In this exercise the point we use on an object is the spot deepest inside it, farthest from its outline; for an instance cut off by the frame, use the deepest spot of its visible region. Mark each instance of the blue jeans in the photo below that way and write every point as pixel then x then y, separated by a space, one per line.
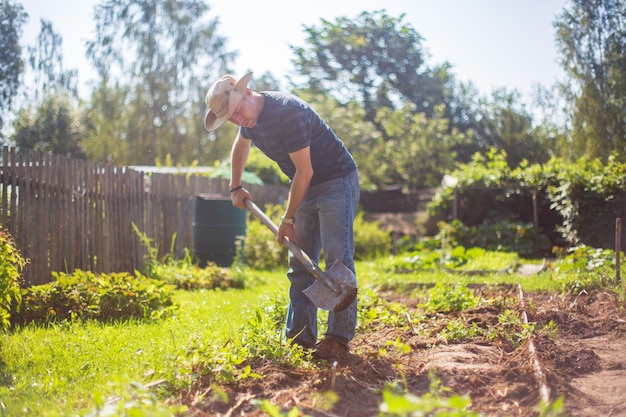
pixel 324 221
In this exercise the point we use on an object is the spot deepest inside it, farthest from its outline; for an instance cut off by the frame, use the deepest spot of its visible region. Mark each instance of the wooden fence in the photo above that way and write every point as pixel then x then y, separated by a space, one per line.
pixel 66 214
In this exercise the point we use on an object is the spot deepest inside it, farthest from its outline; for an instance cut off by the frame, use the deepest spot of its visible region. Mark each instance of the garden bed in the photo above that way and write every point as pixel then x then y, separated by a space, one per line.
pixel 583 361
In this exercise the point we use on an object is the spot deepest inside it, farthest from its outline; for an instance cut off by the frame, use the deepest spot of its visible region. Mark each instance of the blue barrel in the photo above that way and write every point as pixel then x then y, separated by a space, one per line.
pixel 216 228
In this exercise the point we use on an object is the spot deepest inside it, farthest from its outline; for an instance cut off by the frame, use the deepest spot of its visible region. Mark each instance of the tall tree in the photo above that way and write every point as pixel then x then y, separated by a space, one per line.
pixel 12 17
pixel 45 59
pixel 374 59
pixel 166 51
pixel 53 127
pixel 591 35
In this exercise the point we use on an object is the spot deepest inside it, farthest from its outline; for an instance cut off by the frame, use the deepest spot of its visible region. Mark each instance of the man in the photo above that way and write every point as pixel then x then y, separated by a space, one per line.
pixel 323 195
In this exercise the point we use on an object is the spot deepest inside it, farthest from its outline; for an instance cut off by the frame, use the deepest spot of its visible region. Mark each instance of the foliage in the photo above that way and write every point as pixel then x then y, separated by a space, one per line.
pixel 370 241
pixel 266 169
pixel 446 255
pixel 416 151
pixel 576 202
pixel 503 236
pixel 84 295
pixel 11 265
pixel 586 268
pixel 260 338
pixel 186 275
pixel 591 39
pixel 374 59
pixel 155 57
pixel 52 127
pixel 260 249
pixel 45 60
pixel 399 403
pixel 12 16
pixel 445 298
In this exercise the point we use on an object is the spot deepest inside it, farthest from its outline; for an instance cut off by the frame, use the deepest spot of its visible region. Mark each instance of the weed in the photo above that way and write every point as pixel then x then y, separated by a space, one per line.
pixel 446 298
pixel 396 402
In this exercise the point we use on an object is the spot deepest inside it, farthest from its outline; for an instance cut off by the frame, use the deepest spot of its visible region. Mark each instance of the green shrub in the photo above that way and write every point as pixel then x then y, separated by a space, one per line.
pixel 186 275
pixel 11 264
pixel 85 295
pixel 497 235
pixel 370 241
pixel 260 249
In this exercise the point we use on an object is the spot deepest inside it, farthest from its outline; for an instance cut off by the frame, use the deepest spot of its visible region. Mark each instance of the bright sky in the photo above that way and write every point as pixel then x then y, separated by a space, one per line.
pixel 492 43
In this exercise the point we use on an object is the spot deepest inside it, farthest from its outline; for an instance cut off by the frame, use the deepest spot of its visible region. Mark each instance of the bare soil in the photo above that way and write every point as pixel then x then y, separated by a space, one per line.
pixel 584 362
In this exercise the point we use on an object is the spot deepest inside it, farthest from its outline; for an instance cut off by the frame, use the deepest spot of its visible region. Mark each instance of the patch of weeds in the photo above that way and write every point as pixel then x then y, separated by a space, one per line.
pixel 513 331
pixel 261 338
pixel 445 298
pixel 397 402
pixel 374 312
pixel 457 331
pixel 587 269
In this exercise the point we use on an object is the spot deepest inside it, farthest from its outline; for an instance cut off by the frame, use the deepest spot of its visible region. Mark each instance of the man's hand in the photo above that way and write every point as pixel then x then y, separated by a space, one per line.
pixel 288 231
pixel 238 197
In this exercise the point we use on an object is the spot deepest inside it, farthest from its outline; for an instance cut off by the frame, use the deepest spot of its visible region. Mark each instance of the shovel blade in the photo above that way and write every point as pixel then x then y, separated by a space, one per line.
pixel 335 290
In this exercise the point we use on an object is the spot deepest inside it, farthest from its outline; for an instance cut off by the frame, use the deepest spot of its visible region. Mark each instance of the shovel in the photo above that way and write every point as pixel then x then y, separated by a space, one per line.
pixel 333 290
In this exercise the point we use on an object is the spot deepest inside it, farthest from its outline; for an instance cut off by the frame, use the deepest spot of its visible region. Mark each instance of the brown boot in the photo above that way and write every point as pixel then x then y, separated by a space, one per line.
pixel 329 348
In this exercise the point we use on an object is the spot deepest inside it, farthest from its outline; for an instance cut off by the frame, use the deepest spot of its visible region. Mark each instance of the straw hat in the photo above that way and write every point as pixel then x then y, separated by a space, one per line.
pixel 222 99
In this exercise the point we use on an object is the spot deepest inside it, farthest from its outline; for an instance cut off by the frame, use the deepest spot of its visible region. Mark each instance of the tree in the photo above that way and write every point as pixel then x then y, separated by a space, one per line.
pixel 165 52
pixel 12 17
pixel 591 35
pixel 46 62
pixel 54 127
pixel 503 123
pixel 375 60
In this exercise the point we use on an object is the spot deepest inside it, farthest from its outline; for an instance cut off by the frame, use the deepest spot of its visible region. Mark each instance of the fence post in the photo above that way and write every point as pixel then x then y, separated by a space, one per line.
pixel 618 244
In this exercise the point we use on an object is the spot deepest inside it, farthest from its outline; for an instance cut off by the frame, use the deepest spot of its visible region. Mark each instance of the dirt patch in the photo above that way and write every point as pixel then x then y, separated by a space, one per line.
pixel 584 362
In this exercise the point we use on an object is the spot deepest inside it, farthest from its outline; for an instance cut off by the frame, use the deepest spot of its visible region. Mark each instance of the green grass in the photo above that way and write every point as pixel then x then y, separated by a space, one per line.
pixel 377 273
pixel 55 371
pixel 64 369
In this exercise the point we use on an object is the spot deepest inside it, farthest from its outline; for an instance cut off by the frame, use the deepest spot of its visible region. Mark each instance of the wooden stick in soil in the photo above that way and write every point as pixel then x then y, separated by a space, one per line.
pixel 618 244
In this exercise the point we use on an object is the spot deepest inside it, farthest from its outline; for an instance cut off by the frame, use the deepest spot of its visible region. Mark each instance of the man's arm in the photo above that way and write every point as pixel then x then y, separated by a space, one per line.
pixel 299 187
pixel 238 157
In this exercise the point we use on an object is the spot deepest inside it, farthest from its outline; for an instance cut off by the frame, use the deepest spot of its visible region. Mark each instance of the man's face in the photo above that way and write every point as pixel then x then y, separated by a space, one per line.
pixel 245 114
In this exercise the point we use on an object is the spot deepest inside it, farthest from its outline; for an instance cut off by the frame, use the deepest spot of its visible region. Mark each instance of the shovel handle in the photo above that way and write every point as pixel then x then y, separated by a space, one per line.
pixel 298 253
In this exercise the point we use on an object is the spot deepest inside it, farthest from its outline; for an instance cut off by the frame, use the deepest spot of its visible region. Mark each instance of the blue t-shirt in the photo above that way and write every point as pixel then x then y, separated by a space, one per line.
pixel 288 124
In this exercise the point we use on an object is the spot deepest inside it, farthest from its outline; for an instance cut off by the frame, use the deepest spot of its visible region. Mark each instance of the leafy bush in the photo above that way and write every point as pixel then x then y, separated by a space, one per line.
pixel 186 275
pixel 445 298
pixel 577 203
pixel 11 264
pixel 586 269
pixel 85 295
pixel 498 235
pixel 260 249
pixel 370 241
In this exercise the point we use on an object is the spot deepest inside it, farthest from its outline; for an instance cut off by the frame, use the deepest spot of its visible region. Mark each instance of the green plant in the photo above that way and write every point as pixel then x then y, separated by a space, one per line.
pixel 370 241
pixel 396 402
pixel 457 331
pixel 185 274
pixel 586 269
pixel 260 249
pixel 84 295
pixel 11 264
pixel 445 298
